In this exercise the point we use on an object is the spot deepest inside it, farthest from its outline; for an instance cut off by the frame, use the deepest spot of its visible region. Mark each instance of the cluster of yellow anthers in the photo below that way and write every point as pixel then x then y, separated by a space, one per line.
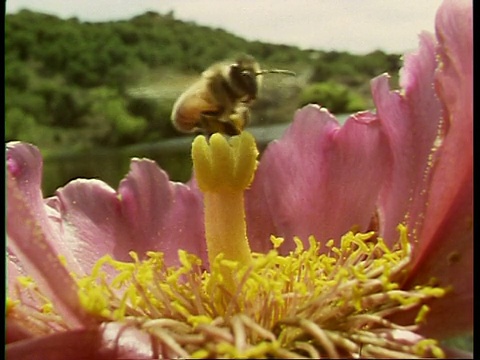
pixel 334 303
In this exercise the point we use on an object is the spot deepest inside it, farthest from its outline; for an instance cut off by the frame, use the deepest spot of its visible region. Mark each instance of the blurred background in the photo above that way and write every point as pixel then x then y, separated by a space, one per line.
pixel 92 82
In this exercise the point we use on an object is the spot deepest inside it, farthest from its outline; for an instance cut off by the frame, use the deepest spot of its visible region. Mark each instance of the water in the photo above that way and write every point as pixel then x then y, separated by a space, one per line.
pixel 112 165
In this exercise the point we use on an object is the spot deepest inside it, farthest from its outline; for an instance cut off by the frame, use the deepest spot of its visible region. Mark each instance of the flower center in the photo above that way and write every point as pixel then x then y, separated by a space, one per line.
pixel 334 303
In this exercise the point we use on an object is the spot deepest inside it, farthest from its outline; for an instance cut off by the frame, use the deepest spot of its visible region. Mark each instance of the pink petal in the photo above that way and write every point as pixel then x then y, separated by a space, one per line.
pixel 91 221
pixel 109 341
pixel 24 163
pixel 165 216
pixel 411 121
pixel 74 345
pixel 448 257
pixel 149 213
pixel 15 331
pixel 320 179
pixel 454 170
pixel 37 256
pixel 15 269
pixel 446 250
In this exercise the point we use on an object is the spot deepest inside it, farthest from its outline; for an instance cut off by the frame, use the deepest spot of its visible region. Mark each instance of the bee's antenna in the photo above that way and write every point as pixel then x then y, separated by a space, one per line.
pixel 275 71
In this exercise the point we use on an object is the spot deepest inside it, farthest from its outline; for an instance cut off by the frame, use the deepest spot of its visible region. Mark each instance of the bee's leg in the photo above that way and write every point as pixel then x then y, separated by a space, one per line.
pixel 209 122
pixel 240 118
pixel 230 129
pixel 212 124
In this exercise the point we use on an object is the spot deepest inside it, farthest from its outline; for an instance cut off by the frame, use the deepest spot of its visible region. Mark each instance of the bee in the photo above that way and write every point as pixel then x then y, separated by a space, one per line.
pixel 220 100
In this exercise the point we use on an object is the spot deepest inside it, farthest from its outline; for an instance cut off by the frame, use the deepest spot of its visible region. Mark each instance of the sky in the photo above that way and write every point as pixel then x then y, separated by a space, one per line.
pixel 356 26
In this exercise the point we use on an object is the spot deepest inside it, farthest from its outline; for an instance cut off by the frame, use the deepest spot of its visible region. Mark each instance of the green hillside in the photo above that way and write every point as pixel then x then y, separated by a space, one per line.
pixel 82 85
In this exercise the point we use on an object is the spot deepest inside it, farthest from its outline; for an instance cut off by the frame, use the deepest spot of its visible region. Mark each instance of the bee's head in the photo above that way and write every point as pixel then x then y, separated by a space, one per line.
pixel 244 76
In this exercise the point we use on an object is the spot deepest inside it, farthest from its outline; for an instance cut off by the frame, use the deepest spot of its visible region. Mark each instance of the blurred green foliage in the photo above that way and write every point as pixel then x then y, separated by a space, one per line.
pixel 334 96
pixel 82 85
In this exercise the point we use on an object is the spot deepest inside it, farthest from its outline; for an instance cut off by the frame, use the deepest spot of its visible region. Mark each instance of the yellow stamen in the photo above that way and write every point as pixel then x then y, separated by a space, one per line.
pixel 284 305
pixel 223 171
pixel 307 303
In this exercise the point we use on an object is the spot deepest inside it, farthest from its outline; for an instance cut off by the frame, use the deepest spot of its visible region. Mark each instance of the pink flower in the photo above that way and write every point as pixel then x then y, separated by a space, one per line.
pixel 410 162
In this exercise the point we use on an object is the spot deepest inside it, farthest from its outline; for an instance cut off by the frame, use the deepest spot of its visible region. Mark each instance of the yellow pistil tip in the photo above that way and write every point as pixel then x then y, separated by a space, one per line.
pixel 220 164
pixel 224 169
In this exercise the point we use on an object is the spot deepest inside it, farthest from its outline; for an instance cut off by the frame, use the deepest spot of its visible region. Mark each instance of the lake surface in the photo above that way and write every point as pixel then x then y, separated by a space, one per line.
pixel 112 165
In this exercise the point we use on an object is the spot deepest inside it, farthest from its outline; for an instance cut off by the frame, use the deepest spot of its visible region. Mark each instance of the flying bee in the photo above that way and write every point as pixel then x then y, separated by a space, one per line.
pixel 220 100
